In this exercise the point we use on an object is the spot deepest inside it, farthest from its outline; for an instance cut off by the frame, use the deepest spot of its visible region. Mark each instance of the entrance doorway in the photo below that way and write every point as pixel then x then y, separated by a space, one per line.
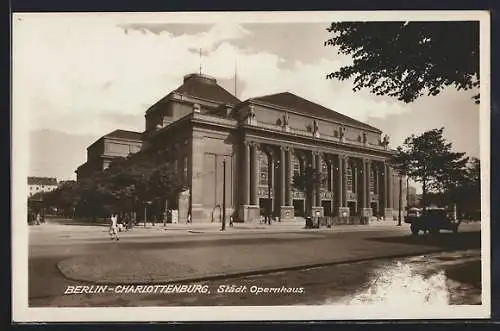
pixel 374 207
pixel 298 207
pixel 264 204
pixel 352 208
pixel 327 207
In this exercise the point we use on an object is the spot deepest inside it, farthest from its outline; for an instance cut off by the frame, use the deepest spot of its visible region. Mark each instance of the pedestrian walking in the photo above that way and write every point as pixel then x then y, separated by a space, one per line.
pixel 188 220
pixel 113 231
pixel 38 217
pixel 231 219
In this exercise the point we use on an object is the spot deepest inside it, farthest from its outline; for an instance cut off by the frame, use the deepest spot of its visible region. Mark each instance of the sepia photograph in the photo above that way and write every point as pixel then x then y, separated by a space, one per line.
pixel 250 166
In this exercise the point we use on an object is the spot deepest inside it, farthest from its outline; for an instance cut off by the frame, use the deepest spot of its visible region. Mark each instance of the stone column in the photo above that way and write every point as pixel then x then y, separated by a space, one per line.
pixel 355 187
pixel 332 183
pixel 282 176
pixel 367 211
pixel 340 177
pixel 318 188
pixel 364 186
pixel 317 209
pixel 388 193
pixel 376 186
pixel 344 181
pixel 271 182
pixel 247 164
pixel 288 187
pixel 286 207
pixel 313 165
pixel 342 186
pixel 254 174
pixel 243 211
pixel 389 187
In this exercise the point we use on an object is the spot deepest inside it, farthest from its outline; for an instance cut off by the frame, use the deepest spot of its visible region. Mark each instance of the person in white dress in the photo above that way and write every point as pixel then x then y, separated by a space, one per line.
pixel 113 231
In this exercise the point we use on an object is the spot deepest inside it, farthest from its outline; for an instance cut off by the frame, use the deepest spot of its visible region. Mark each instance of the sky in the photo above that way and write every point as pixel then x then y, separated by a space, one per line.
pixel 83 76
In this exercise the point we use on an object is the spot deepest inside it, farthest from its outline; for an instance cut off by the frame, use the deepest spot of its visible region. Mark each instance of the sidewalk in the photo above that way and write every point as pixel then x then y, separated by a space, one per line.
pixel 94 231
pixel 195 263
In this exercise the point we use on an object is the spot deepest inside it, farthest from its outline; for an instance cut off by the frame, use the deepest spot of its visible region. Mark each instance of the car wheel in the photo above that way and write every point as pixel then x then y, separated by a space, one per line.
pixel 434 231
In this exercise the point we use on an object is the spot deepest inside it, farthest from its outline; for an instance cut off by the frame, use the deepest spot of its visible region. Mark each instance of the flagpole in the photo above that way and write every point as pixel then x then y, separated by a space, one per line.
pixel 200 61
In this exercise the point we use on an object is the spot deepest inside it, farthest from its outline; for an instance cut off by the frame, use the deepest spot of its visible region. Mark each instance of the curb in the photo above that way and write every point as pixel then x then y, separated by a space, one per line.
pixel 259 272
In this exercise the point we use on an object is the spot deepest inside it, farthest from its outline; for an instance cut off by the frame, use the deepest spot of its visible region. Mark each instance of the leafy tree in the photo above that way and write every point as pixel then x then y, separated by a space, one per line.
pixel 408 59
pixel 467 191
pixel 65 198
pixel 165 182
pixel 307 181
pixel 432 163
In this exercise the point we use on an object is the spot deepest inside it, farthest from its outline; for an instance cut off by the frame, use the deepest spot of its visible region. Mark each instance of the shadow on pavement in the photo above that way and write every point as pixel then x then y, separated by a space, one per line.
pixel 460 240
pixel 468 273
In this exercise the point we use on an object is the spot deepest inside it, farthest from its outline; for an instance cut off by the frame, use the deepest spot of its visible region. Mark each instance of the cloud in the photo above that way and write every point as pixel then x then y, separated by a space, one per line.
pixel 86 70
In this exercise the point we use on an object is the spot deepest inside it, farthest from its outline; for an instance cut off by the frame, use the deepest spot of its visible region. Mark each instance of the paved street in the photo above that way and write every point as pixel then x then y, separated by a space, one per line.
pixel 322 262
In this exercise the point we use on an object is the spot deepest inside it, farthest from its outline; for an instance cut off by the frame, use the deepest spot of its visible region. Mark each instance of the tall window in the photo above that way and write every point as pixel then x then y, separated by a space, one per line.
pixel 373 189
pixel 296 165
pixel 325 175
pixel 263 168
pixel 349 176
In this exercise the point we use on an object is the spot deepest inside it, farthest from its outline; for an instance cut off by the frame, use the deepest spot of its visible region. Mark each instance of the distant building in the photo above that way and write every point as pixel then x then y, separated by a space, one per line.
pixel 41 184
pixel 119 143
pixel 412 196
pixel 64 182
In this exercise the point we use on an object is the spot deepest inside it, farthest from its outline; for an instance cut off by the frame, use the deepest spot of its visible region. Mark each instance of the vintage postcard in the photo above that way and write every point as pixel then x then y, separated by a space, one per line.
pixel 250 166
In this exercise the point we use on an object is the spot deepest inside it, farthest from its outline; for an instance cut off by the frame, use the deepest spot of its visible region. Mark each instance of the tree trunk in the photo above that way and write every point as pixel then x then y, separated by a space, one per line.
pixel 407 192
pixel 400 199
pixel 424 194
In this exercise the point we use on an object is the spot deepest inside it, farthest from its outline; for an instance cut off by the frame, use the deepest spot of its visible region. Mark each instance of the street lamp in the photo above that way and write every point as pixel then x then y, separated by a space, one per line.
pixel 146 211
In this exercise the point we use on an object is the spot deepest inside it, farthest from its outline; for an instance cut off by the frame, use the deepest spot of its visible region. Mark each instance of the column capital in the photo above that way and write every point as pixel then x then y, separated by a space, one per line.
pixel 315 152
pixel 285 148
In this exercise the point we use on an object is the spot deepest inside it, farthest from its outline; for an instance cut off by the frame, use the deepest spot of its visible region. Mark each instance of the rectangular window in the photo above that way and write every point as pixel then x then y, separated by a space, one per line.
pixel 324 175
pixel 264 173
pixel 330 188
pixel 349 179
pixel 296 167
pixel 372 182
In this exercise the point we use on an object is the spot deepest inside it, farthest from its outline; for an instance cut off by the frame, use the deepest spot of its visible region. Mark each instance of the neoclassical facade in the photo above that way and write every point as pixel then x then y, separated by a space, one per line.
pixel 263 142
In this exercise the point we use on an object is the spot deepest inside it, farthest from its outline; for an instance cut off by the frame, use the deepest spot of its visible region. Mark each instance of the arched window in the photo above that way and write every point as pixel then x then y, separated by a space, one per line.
pixel 263 168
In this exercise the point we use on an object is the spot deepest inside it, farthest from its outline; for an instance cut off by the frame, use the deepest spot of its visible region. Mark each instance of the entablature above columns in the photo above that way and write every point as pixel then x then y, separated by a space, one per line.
pixel 303 148
pixel 316 144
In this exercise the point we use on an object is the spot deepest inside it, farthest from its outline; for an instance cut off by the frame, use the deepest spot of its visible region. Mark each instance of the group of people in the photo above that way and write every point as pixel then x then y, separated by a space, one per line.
pixel 120 223
pixel 35 218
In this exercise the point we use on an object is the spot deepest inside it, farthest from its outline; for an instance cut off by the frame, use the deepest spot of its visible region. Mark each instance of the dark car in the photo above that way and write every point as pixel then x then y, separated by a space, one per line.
pixel 433 221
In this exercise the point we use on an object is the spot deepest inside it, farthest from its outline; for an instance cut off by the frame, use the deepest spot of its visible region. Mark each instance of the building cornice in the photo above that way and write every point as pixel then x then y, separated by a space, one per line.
pixel 292 111
pixel 314 140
